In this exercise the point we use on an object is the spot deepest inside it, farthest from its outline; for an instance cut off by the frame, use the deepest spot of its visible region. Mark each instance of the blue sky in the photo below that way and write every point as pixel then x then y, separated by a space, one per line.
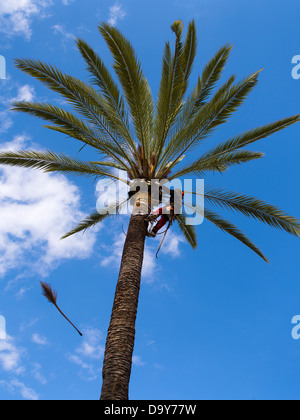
pixel 212 324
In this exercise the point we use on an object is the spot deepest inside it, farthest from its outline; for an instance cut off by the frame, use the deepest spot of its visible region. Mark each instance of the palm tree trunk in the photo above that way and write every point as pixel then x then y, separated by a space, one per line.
pixel 121 332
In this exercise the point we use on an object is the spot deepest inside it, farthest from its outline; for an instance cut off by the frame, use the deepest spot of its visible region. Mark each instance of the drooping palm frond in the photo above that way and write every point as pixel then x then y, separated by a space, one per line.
pixel 87 223
pixel 53 162
pixel 134 84
pixel 95 218
pixel 254 208
pixel 228 227
pixel 188 231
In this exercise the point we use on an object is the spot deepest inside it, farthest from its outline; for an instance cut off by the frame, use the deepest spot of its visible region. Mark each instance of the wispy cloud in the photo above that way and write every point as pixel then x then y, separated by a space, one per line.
pixel 10 356
pixel 137 361
pixel 13 93
pixel 36 373
pixel 25 93
pixel 60 29
pixel 17 386
pixel 40 340
pixel 171 248
pixel 116 13
pixel 88 355
pixel 16 16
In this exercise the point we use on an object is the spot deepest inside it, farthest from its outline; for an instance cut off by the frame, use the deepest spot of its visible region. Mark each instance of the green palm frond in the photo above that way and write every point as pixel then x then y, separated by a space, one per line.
pixel 110 90
pixel 96 218
pixel 53 162
pixel 135 86
pixel 206 83
pixel 254 208
pixel 228 227
pixel 188 231
pixel 218 164
pixel 216 112
pixel 189 51
pixel 74 127
pixel 226 100
pixel 87 223
pixel 250 137
pixel 210 76
pixel 83 97
pixel 172 88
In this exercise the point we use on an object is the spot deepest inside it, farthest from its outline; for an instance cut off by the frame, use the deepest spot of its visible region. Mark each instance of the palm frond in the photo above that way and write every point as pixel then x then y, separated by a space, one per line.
pixel 172 88
pixel 189 125
pixel 53 162
pixel 110 90
pixel 206 83
pixel 87 223
pixel 74 127
pixel 49 293
pixel 211 75
pixel 232 230
pixel 188 231
pixel 218 164
pixel 189 51
pixel 133 82
pixel 83 97
pixel 254 208
pixel 216 112
pixel 250 137
pixel 95 218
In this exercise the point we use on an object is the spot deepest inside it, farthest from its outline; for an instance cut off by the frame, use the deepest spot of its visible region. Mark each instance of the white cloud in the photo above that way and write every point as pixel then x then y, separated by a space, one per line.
pixel 38 339
pixel 59 29
pixel 10 356
pixel 88 355
pixel 116 13
pixel 16 386
pixel 16 15
pixel 36 210
pixel 25 93
pixel 36 373
pixel 137 361
pixel 170 247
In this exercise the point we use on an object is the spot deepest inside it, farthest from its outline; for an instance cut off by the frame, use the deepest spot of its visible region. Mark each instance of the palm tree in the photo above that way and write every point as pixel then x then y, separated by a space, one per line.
pixel 148 142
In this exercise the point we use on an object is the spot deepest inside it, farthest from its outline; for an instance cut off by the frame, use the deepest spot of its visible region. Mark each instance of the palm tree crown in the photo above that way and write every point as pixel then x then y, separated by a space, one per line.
pixel 146 140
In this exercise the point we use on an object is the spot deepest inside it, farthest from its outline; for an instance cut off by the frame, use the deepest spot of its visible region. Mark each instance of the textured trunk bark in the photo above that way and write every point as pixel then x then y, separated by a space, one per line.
pixel 121 332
